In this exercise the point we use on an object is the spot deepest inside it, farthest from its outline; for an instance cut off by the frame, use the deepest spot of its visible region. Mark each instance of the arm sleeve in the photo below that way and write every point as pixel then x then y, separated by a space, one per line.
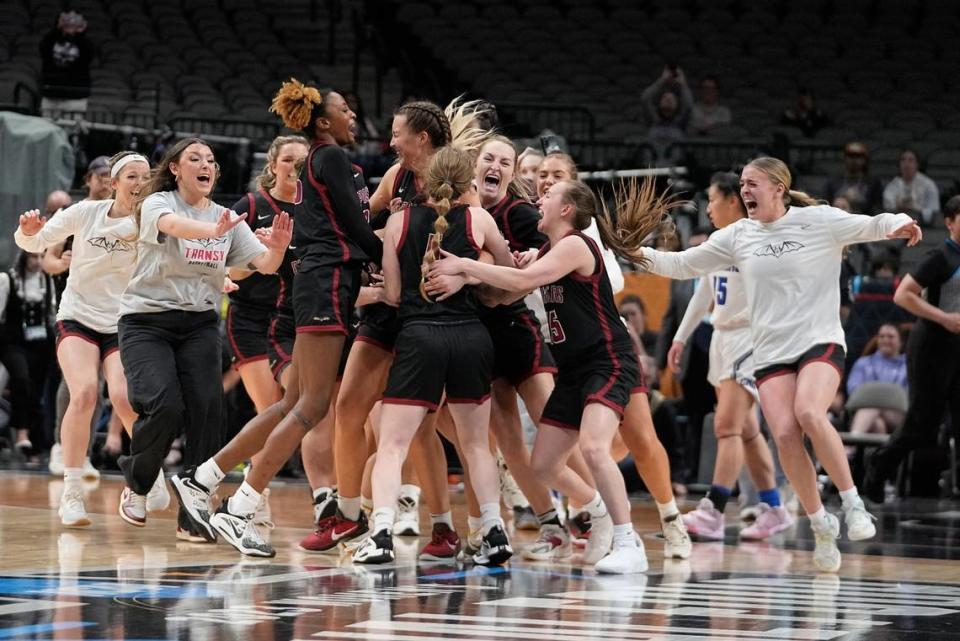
pixel 847 229
pixel 696 310
pixel 712 255
pixel 151 211
pixel 337 175
pixel 244 246
pixel 56 230
pixel 931 271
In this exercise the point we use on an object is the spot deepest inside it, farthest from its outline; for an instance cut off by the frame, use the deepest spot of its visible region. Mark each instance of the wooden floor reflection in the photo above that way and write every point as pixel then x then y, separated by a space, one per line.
pixel 113 581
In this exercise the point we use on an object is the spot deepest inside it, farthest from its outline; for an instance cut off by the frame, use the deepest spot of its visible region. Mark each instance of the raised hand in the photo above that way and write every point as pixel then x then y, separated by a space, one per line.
pixel 281 232
pixel 31 222
pixel 911 231
pixel 227 221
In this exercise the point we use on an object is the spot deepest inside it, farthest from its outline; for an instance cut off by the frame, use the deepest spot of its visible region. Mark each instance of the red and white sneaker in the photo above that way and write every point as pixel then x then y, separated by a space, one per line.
pixel 553 543
pixel 443 546
pixel 770 521
pixel 705 522
pixel 333 531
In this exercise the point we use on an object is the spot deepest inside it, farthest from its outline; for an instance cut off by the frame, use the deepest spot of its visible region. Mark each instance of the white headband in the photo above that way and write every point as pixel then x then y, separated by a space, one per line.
pixel 126 160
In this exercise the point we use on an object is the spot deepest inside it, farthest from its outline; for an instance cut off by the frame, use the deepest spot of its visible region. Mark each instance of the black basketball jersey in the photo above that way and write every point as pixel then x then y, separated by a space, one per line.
pixel 260 290
pixel 417 231
pixel 517 220
pixel 333 224
pixel 582 315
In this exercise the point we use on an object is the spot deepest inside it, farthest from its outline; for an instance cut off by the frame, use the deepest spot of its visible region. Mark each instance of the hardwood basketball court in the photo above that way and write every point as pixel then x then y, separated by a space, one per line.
pixel 114 581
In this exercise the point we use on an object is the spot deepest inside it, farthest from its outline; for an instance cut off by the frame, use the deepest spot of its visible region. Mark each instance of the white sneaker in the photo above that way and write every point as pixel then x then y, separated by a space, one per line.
pixel 158 498
pixel 195 499
pixel 601 538
pixel 240 532
pixel 553 543
pixel 263 516
pixel 133 508
pixel 407 521
pixel 859 522
pixel 625 558
pixel 56 460
pixel 826 555
pixel 72 511
pixel 677 544
pixel 90 473
pixel 510 492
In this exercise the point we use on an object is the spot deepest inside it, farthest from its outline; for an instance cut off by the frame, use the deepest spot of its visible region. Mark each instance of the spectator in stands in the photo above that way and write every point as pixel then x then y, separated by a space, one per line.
pixel 912 191
pixel 635 313
pixel 65 55
pixel 529 162
pixel 863 192
pixel 668 103
pixel 26 346
pixel 933 364
pixel 708 112
pixel 883 362
pixel 805 114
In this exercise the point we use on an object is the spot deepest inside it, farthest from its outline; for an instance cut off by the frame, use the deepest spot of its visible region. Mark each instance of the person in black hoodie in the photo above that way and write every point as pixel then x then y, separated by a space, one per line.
pixel 66 54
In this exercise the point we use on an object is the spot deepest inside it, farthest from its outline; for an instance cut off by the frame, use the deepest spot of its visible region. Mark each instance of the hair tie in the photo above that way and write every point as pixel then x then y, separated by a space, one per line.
pixel 126 160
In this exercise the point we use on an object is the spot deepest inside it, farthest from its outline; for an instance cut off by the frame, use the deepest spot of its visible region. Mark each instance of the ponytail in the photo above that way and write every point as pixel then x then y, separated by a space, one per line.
pixel 640 211
pixel 449 177
pixel 299 105
pixel 800 199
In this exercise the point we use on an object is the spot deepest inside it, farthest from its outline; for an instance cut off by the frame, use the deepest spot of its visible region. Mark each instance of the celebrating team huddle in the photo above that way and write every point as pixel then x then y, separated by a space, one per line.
pixel 365 326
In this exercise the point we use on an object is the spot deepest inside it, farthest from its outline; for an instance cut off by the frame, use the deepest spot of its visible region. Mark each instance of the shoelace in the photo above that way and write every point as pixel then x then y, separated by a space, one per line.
pixel 74 499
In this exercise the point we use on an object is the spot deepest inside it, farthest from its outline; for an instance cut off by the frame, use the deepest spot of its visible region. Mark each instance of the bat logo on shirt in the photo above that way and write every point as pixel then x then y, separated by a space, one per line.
pixel 111 245
pixel 778 249
pixel 209 242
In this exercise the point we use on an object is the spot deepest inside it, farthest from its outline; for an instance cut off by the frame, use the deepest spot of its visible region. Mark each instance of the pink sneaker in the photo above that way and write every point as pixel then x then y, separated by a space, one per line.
pixel 705 522
pixel 770 521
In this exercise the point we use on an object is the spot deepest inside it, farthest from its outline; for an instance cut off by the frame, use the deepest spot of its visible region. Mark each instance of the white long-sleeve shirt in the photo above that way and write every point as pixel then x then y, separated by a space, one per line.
pixel 104 254
pixel 790 269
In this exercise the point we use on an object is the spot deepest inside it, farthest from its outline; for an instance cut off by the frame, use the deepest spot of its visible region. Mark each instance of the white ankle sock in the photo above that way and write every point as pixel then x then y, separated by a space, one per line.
pixel 383 518
pixel 850 498
pixel 596 507
pixel 411 491
pixel 446 518
pixel 623 533
pixel 244 501
pixel 819 519
pixel 349 507
pixel 474 523
pixel 73 475
pixel 209 474
pixel 667 509
pixel 326 491
pixel 489 516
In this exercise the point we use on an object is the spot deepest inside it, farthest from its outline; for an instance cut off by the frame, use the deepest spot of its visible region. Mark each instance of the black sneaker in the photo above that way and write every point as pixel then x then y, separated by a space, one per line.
pixel 494 549
pixel 375 549
pixel 240 532
pixel 195 499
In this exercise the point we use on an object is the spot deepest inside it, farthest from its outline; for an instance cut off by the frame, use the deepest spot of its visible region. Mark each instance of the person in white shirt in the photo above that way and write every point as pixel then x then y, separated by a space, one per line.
pixel 788 252
pixel 731 373
pixel 104 252
pixel 169 320
pixel 912 191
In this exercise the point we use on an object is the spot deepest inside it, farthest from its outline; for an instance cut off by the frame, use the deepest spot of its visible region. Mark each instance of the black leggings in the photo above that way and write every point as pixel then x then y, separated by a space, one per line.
pixel 28 364
pixel 172 364
pixel 933 370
